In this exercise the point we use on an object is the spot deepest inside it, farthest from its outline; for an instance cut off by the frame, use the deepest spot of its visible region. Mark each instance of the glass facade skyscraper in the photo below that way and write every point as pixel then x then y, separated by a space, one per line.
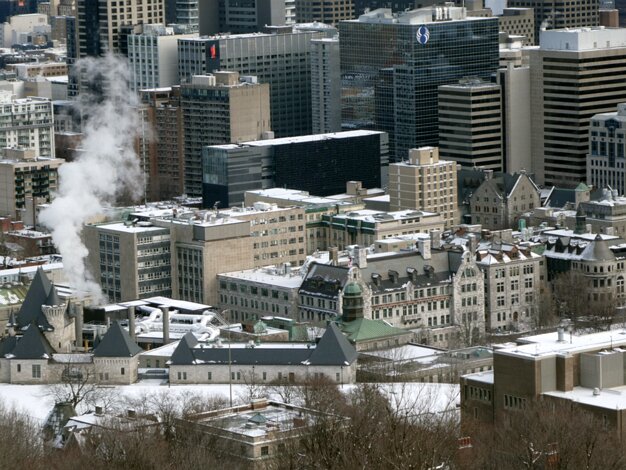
pixel 391 66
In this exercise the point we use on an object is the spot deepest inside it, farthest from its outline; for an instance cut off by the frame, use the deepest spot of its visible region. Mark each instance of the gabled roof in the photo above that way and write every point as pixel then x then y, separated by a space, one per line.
pixel 116 343
pixel 333 348
pixel 32 345
pixel 36 296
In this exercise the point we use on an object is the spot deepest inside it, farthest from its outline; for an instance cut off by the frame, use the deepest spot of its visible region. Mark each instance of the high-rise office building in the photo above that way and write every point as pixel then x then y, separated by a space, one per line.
pixel 519 22
pixel 575 74
pixel 391 66
pixel 219 109
pixel 281 60
pixel 514 84
pixel 103 25
pixel 564 14
pixel 425 183
pixel 241 17
pixel 470 124
pixel 325 85
pixel 329 12
pixel 320 164
pixel 153 57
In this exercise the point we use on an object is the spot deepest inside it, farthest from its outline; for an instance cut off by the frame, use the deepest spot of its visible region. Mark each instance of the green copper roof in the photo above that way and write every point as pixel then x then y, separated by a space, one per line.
pixel 364 329
pixel 353 289
pixel 582 187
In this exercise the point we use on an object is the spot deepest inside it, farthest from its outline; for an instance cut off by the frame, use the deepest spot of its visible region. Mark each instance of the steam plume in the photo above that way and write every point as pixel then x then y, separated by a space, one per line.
pixel 106 166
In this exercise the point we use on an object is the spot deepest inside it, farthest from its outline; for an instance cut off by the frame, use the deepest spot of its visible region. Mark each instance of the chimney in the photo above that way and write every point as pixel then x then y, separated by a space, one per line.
pixel 360 257
pixel 166 324
pixel 334 255
pixel 79 319
pixel 435 239
pixel 488 174
pixel 561 334
pixel 423 245
pixel 473 243
pixel 131 322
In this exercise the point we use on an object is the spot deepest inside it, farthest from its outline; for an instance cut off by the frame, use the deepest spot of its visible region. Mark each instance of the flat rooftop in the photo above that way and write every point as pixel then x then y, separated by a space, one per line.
pixel 299 139
pixel 548 344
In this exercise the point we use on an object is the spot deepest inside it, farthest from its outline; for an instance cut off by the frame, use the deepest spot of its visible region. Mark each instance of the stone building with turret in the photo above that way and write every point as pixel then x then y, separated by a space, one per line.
pixel 40 345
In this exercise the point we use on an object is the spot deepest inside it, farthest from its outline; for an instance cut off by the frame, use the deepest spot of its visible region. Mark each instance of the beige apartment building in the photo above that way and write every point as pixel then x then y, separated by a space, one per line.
pixel 115 15
pixel 426 183
pixel 25 178
pixel 189 249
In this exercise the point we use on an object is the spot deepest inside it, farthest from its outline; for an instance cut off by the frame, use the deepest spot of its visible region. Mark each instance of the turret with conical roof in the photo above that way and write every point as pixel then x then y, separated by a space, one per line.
pixel 54 311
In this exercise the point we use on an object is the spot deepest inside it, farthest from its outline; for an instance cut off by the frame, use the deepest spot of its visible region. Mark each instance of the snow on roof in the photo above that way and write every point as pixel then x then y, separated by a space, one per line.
pixel 547 344
pixel 406 352
pixel 122 227
pixel 584 236
pixel 177 304
pixel 609 398
pixel 268 275
pixel 299 139
pixel 484 377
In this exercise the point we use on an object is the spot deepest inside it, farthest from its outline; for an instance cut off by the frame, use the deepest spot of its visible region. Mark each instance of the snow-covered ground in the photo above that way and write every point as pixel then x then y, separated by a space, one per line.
pixel 414 398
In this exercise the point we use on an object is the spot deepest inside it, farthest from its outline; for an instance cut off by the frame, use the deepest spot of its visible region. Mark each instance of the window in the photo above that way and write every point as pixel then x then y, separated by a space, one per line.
pixel 19 367
pixel 209 376
pixel 122 371
pixel 265 450
pixel 36 371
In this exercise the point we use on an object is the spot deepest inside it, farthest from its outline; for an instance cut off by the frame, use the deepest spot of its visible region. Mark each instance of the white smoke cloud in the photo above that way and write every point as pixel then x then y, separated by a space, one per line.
pixel 106 166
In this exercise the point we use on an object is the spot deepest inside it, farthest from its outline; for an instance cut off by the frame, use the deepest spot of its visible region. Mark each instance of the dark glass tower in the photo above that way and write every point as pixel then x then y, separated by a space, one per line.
pixel 392 65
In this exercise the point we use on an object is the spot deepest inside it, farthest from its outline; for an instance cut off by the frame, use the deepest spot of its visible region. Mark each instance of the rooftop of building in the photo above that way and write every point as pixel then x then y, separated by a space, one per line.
pixel 470 84
pixel 416 17
pixel 298 196
pixel 583 39
pixel 279 276
pixel 299 139
pixel 259 419
pixel 609 398
pixel 129 227
pixel 368 215
pixel 548 344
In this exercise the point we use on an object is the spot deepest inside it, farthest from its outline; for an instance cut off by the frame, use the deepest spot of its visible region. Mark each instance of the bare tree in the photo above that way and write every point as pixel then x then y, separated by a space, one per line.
pixel 76 384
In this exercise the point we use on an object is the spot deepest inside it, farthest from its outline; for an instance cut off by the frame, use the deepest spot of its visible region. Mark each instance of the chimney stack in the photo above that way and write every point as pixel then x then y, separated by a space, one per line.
pixel 79 319
pixel 435 239
pixel 423 245
pixel 131 322
pixel 166 324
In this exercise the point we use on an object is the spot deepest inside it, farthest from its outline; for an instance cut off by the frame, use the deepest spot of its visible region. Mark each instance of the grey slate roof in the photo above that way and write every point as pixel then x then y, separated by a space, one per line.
pixel 332 349
pixel 324 280
pixel 598 250
pixel 7 344
pixel 116 343
pixel 36 296
pixel 32 345
pixel 53 298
